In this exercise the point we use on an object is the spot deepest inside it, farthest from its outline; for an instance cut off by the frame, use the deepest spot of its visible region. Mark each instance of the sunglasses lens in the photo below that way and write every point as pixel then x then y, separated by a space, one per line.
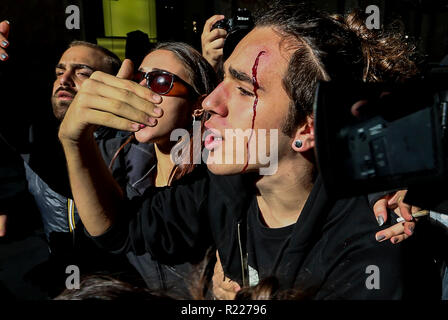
pixel 160 83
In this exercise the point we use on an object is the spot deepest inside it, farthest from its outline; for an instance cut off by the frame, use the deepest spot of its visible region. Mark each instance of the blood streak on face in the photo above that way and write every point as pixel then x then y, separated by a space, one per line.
pixel 254 107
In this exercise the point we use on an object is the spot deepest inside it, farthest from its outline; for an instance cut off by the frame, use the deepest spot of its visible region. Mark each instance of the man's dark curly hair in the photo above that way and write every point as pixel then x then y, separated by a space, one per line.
pixel 332 47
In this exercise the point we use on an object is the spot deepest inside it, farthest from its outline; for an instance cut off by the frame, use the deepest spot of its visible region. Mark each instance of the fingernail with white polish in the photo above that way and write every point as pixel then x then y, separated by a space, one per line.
pixel 152 121
pixel 158 111
pixel 380 220
pixel 156 97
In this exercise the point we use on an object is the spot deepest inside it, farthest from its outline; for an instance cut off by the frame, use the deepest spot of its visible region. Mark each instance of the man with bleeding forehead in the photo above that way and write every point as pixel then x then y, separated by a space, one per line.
pixel 280 225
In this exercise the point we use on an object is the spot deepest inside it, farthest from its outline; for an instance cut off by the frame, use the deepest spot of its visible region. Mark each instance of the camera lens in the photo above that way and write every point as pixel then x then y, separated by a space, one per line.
pixel 221 24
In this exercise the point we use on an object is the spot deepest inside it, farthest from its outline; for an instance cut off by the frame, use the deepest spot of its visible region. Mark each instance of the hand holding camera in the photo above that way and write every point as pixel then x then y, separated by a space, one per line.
pixel 212 40
pixel 220 36
pixel 237 28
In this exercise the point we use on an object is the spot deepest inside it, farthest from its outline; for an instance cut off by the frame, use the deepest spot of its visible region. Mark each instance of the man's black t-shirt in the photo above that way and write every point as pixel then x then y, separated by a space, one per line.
pixel 265 251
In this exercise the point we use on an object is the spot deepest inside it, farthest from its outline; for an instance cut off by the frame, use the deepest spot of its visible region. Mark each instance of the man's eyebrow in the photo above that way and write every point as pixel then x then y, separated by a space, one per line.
pixel 75 66
pixel 153 69
pixel 82 66
pixel 241 76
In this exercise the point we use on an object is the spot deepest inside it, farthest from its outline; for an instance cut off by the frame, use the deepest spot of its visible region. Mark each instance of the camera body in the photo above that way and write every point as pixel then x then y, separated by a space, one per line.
pixel 399 140
pixel 237 27
pixel 243 19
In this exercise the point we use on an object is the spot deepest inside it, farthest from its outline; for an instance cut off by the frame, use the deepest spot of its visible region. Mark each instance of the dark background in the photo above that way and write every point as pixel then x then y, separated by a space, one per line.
pixel 39 36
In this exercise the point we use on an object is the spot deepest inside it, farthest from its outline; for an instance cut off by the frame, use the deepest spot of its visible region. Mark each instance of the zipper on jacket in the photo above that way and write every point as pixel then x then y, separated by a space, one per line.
pixel 244 260
pixel 71 219
pixel 162 277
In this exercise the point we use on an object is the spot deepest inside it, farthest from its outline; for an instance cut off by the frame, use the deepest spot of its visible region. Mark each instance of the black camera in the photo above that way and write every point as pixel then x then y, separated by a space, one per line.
pixel 377 137
pixel 236 27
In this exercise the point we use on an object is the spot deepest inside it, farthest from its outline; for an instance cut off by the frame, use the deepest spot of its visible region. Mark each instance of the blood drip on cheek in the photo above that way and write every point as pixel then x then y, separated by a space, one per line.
pixel 254 107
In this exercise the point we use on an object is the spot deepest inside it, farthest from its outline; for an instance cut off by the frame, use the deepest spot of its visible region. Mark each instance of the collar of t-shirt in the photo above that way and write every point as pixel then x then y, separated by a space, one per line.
pixel 264 245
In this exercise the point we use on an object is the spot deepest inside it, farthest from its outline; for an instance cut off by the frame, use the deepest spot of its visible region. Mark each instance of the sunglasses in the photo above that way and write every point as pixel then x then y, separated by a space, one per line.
pixel 165 83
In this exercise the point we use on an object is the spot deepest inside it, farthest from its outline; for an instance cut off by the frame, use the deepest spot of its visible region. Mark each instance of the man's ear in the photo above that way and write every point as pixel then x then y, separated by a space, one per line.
pixel 305 133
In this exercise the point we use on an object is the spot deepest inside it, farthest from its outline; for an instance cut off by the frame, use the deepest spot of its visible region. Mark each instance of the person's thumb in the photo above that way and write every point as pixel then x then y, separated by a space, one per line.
pixel 127 70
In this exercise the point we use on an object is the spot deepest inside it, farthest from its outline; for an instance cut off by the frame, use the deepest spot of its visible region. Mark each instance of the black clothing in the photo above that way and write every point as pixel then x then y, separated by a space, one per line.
pixel 265 245
pixel 12 176
pixel 328 254
pixel 15 201
pixel 68 245
pixel 134 169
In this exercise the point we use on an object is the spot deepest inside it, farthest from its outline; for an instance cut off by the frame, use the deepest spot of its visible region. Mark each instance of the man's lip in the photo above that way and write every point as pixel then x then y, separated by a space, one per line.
pixel 214 131
pixel 211 141
pixel 65 95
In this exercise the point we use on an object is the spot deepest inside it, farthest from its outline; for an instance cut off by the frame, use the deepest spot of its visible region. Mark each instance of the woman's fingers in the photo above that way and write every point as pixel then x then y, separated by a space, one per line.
pixel 121 102
pixel 105 100
pixel 396 201
pixel 4 28
pixel 405 210
pixel 409 228
pixel 87 111
pixel 401 230
pixel 113 113
pixel 4 43
pixel 398 239
pixel 132 87
pixel 380 210
pixel 107 119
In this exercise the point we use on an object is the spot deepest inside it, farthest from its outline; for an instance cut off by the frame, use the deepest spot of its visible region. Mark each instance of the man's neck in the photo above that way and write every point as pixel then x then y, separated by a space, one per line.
pixel 282 196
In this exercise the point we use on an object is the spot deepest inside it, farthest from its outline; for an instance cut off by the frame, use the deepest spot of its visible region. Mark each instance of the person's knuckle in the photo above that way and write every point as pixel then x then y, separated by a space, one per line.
pixel 81 100
pixel 394 233
pixel 125 94
pixel 96 75
pixel 116 105
pixel 88 84
pixel 379 205
pixel 129 85
pixel 109 119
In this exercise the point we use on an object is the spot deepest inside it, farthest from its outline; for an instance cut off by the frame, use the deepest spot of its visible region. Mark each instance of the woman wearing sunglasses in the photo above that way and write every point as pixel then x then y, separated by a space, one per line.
pixel 181 76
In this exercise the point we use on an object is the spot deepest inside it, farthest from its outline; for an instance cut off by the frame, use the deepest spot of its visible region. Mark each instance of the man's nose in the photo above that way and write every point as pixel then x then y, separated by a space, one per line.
pixel 216 101
pixel 66 79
